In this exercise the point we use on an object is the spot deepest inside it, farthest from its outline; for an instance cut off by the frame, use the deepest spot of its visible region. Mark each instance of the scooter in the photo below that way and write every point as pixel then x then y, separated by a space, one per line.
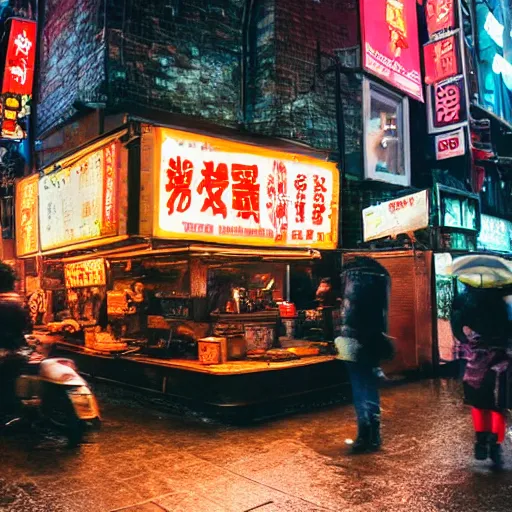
pixel 50 389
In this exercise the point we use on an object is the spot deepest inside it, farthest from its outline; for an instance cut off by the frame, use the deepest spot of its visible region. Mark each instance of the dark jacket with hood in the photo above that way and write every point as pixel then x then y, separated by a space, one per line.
pixel 365 286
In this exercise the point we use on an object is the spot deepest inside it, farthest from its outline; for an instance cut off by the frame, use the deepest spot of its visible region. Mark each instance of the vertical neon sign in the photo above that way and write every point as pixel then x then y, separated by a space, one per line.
pixel 21 51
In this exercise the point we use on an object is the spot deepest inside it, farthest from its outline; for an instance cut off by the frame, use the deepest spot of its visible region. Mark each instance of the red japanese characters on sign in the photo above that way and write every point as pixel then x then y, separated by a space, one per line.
pixel 300 198
pixel 110 188
pixel 179 178
pixel 440 15
pixel 447 103
pixel 400 204
pixel 219 191
pixel 318 200
pixel 409 213
pixel 449 145
pixel 21 50
pixel 246 191
pixel 215 182
pixel 441 59
pixel 277 208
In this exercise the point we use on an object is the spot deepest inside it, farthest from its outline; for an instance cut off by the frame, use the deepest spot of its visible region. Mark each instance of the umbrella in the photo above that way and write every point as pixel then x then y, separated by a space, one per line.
pixel 483 271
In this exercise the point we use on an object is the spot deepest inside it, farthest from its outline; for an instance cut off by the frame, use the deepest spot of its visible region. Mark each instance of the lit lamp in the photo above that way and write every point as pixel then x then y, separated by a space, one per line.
pixel 11 106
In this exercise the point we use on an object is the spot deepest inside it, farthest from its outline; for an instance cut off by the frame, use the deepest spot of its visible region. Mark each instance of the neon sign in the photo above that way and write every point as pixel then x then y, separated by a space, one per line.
pixel 441 59
pixel 110 188
pixel 79 202
pixel 392 54
pixel 222 191
pixel 21 51
pixel 440 15
pixel 447 106
pixel 85 273
pixel 27 234
pixel 449 145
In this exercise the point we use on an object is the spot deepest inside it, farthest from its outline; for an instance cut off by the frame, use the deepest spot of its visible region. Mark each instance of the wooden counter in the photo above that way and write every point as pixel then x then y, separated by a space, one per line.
pixel 229 389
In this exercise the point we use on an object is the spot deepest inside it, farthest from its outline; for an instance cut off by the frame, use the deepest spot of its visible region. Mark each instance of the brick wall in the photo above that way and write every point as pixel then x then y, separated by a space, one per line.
pixel 291 100
pixel 179 56
pixel 225 61
pixel 72 59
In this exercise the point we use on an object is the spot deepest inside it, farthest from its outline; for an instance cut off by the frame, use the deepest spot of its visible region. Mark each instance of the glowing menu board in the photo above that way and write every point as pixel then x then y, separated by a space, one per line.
pixel 27 235
pixel 78 203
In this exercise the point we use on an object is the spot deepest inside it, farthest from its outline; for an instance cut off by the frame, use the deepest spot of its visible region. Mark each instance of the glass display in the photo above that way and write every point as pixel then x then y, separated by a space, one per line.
pixel 452 212
pixel 469 217
pixel 385 157
pixel 459 212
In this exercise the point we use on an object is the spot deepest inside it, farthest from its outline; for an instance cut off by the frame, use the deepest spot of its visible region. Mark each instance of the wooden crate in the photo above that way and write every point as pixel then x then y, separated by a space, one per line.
pixel 212 350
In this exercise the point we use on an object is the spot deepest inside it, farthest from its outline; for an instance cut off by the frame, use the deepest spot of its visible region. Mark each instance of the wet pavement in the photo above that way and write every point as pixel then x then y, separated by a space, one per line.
pixel 150 459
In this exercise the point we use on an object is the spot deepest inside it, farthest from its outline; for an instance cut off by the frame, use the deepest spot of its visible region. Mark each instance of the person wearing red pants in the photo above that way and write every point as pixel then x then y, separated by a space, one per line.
pixel 480 319
pixel 490 429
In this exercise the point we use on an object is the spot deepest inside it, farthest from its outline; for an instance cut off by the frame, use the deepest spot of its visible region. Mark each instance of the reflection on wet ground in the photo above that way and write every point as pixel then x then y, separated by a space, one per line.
pixel 167 458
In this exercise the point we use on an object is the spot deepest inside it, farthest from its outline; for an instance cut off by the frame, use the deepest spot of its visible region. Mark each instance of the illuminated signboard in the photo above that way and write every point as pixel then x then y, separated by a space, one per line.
pixel 494 234
pixel 18 77
pixel 442 59
pixel 21 51
pixel 392 54
pixel 440 16
pixel 11 106
pixel 451 144
pixel 392 218
pixel 447 106
pixel 85 273
pixel 210 189
pixel 27 235
pixel 79 202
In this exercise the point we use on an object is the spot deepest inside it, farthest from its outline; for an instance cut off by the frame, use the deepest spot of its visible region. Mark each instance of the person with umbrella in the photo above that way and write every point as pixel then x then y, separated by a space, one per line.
pixel 480 318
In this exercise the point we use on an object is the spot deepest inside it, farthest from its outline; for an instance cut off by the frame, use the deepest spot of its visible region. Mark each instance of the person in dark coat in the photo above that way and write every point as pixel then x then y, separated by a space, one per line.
pixel 363 342
pixel 480 320
pixel 15 322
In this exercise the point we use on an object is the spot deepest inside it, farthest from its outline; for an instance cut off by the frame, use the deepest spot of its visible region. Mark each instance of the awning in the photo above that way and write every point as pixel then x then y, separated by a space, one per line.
pixel 206 251
pixel 90 244
pixel 106 253
pixel 71 158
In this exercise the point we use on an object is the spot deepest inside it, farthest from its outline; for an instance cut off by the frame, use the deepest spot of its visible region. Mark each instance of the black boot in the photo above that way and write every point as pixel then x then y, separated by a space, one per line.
pixel 363 442
pixel 495 451
pixel 482 445
pixel 375 438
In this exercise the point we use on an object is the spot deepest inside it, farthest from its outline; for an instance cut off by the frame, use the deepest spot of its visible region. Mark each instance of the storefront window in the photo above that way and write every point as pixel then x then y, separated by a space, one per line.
pixel 452 212
pixel 245 288
pixel 459 212
pixel 469 214
pixel 386 154
pixel 148 287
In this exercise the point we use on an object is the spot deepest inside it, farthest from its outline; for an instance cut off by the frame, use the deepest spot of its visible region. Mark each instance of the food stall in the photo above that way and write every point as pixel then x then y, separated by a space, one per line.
pixel 211 298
